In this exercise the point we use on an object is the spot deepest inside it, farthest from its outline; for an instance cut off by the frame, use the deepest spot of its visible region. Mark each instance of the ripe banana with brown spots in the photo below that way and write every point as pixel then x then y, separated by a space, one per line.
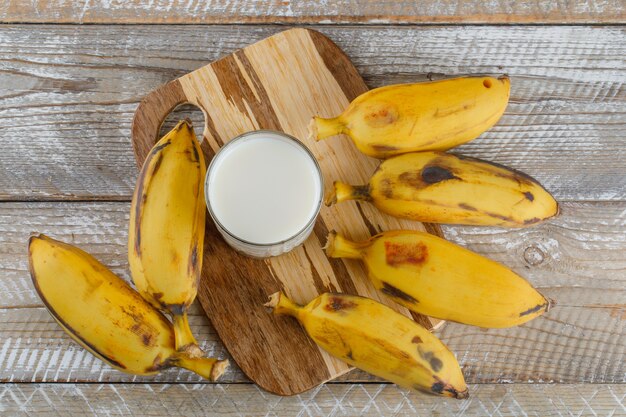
pixel 436 115
pixel 432 276
pixel 166 232
pixel 103 314
pixel 373 337
pixel 438 187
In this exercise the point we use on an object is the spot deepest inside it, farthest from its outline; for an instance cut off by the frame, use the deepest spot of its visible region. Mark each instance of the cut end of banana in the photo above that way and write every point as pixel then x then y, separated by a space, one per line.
pixel 550 304
pixel 330 243
pixel 273 301
pixel 192 350
pixel 313 132
pixel 331 197
pixel 218 369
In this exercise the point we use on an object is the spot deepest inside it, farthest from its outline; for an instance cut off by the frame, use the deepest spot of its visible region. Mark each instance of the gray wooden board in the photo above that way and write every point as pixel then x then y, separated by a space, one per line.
pixel 67 94
pixel 376 400
pixel 578 259
pixel 313 11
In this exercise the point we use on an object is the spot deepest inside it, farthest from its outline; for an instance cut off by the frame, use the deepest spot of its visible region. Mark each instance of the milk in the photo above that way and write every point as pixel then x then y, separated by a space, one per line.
pixel 264 188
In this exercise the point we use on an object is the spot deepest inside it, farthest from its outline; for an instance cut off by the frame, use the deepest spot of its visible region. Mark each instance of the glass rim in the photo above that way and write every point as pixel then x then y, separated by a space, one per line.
pixel 240 137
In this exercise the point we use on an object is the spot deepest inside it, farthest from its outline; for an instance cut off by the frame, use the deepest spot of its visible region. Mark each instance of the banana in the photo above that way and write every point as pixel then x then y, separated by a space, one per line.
pixel 166 232
pixel 425 116
pixel 437 187
pixel 432 276
pixel 105 315
pixel 371 336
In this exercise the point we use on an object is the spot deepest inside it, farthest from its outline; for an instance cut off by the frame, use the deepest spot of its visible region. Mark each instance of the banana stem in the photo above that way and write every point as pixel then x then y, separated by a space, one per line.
pixel 342 192
pixel 185 341
pixel 338 246
pixel 321 128
pixel 280 304
pixel 209 368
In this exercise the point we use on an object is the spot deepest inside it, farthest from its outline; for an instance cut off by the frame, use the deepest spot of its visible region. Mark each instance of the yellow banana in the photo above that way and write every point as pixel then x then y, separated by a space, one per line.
pixel 105 315
pixel 371 336
pixel 437 187
pixel 166 232
pixel 402 118
pixel 432 276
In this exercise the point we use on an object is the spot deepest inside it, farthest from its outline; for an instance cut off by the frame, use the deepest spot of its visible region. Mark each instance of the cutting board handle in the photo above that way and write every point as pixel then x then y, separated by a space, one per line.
pixel 150 114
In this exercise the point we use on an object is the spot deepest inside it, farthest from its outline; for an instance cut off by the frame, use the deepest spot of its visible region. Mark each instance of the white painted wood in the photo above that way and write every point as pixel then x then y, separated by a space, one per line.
pixel 578 259
pixel 311 11
pixel 68 94
pixel 377 400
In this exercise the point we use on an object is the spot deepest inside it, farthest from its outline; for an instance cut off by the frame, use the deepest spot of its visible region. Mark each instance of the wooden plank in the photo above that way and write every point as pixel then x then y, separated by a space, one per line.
pixel 378 400
pixel 66 89
pixel 578 259
pixel 311 11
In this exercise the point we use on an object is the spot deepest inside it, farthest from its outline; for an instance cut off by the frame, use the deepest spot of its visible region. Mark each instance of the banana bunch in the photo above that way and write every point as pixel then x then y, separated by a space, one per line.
pixel 438 187
pixel 415 270
pixel 402 118
pixel 411 125
pixel 371 336
pixel 166 232
pixel 105 315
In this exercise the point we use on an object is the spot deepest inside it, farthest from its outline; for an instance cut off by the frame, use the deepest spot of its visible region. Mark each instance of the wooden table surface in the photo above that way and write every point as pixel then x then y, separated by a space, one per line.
pixel 67 95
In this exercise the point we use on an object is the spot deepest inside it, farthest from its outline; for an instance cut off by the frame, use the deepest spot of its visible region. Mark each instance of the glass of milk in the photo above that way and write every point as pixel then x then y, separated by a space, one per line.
pixel 263 190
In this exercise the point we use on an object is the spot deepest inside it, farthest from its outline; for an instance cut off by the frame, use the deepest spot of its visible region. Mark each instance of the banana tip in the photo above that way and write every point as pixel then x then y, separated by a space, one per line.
pixel 330 243
pixel 218 369
pixel 331 196
pixel 462 395
pixel 273 301
pixel 313 131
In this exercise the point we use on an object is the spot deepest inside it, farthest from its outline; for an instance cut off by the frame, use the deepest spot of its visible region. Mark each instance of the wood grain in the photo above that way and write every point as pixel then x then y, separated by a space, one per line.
pixel 311 11
pixel 77 91
pixel 378 400
pixel 578 259
pixel 278 83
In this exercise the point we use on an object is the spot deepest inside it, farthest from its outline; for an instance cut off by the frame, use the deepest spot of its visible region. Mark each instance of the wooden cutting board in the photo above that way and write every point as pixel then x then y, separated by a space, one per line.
pixel 278 83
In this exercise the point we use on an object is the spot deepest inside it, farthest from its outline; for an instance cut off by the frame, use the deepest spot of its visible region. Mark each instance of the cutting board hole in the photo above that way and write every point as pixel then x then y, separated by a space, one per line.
pixel 185 111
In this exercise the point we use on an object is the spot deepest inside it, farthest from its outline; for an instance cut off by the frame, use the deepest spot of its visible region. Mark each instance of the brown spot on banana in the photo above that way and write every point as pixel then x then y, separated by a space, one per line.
pixel 413 179
pixel 529 196
pixel 435 363
pixel 147 339
pixel 532 221
pixel 193 259
pixel 545 306
pixel 386 188
pixel 440 387
pixel 384 148
pixel 394 292
pixel 338 304
pixel 416 340
pixel 196 156
pixel 398 254
pixel 158 364
pixel 501 217
pixel 445 112
pixel 382 116
pixel 467 207
pixel 433 174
